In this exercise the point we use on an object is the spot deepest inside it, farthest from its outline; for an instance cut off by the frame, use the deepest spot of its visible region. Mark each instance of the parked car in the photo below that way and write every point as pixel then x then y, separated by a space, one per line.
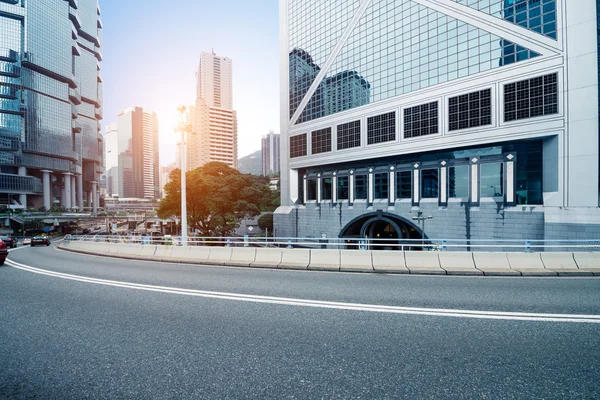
pixel 26 241
pixel 3 252
pixel 10 241
pixel 40 240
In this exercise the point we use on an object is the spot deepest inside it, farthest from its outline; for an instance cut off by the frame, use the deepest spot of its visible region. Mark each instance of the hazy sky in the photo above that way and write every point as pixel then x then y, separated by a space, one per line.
pixel 151 51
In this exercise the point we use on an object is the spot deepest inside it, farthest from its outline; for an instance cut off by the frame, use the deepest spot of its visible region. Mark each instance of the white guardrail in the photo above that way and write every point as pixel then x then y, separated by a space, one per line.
pixel 473 245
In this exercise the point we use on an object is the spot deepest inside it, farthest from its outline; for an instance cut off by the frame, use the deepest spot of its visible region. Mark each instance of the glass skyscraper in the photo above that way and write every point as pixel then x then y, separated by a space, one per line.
pixel 51 152
pixel 480 114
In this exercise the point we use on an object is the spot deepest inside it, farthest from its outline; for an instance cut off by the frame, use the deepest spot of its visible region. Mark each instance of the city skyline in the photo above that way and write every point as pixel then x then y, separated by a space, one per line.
pixel 134 73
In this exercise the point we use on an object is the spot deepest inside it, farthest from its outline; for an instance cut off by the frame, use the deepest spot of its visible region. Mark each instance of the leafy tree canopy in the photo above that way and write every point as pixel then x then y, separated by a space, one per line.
pixel 218 198
pixel 265 222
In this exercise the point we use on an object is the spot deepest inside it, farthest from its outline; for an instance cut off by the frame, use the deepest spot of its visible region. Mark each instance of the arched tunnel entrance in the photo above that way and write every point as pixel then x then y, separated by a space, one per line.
pixel 381 231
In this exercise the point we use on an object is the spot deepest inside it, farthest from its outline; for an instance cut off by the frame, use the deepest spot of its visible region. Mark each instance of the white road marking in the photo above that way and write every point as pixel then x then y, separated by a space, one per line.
pixel 438 312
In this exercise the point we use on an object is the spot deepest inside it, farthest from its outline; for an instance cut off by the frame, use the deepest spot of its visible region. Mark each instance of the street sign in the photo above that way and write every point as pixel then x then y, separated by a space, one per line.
pixel 47 229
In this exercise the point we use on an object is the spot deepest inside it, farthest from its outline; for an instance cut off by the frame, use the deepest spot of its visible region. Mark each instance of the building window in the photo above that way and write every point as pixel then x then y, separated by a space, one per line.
pixel 404 184
pixel 361 186
pixel 458 181
pixel 429 183
pixel 321 141
pixel 348 135
pixel 470 110
pixel 327 188
pixel 530 98
pixel 382 185
pixel 421 120
pixel 298 145
pixel 342 188
pixel 381 128
pixel 492 180
pixel 311 189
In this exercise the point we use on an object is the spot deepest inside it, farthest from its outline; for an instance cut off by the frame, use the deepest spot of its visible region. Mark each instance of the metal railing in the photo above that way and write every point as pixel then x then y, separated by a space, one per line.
pixel 490 245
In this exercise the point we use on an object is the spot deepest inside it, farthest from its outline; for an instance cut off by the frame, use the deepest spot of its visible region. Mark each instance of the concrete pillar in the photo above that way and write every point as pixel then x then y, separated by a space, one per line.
pixel 474 184
pixel 443 184
pixel 510 176
pixel 392 186
pixel 80 192
pixel 23 197
pixel 47 191
pixel 94 197
pixel 73 192
pixel 351 188
pixel 416 184
pixel 68 194
pixel 319 189
pixel 334 188
pixel 305 188
pixel 371 190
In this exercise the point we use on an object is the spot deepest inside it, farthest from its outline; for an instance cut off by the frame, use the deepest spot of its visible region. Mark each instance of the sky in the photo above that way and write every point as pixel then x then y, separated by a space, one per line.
pixel 151 50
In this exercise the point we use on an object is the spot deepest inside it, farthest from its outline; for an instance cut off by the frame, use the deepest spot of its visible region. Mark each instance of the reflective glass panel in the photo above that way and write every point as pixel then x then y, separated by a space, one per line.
pixel 327 189
pixel 536 15
pixel 311 189
pixel 342 188
pixel 398 47
pixel 429 183
pixel 458 181
pixel 492 180
pixel 404 184
pixel 382 185
pixel 361 187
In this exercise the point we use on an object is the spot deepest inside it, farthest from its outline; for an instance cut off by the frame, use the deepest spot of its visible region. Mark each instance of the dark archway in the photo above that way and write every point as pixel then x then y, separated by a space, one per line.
pixel 386 230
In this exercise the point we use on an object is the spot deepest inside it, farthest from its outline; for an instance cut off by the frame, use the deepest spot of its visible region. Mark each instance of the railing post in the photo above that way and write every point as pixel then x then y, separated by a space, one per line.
pixel 289 246
pixel 528 246
pixel 228 243
pixel 245 240
pixel 444 245
pixel 363 245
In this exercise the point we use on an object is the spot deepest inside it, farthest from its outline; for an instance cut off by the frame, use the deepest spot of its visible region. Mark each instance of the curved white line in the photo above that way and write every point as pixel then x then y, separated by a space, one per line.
pixel 439 312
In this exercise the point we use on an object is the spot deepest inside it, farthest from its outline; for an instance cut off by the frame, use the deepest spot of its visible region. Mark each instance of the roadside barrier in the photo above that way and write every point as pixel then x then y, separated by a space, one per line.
pixel 383 261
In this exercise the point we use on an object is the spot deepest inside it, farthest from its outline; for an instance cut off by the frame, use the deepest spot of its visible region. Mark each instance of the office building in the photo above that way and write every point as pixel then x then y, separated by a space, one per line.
pixel 213 119
pixel 165 172
pixel 480 116
pixel 132 155
pixel 51 152
pixel 270 154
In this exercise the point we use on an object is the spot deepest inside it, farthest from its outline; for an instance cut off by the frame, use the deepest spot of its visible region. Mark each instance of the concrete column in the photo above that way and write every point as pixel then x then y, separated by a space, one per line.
pixel 416 185
pixel 474 184
pixel 23 197
pixel 94 197
pixel 334 188
pixel 392 186
pixel 351 188
pixel 443 184
pixel 371 189
pixel 47 190
pixel 80 192
pixel 305 188
pixel 509 192
pixel 73 192
pixel 68 194
pixel 319 189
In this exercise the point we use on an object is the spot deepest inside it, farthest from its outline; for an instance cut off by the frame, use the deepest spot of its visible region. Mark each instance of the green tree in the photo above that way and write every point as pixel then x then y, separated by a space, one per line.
pixel 218 198
pixel 265 222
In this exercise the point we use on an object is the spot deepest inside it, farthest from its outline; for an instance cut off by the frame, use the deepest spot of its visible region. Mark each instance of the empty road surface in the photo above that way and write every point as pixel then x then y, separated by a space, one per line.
pixel 81 327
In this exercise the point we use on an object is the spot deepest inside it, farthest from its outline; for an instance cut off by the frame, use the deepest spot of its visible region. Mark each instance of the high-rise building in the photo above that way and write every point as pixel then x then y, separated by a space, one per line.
pixel 482 115
pixel 132 154
pixel 165 171
pixel 213 119
pixel 111 140
pixel 270 154
pixel 51 152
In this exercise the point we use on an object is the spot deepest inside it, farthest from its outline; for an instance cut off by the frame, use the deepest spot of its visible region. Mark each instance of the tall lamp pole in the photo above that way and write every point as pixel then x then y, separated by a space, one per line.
pixel 184 127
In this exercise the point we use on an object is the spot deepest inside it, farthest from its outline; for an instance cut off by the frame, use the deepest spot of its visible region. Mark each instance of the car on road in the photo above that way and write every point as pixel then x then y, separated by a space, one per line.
pixel 26 241
pixel 10 241
pixel 3 252
pixel 40 240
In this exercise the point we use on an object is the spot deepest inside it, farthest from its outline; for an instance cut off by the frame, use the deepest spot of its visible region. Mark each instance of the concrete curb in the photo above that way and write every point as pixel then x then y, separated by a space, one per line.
pixel 387 262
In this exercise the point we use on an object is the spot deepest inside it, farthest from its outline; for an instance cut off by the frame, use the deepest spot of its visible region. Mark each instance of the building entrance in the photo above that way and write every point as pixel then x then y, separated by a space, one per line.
pixel 380 231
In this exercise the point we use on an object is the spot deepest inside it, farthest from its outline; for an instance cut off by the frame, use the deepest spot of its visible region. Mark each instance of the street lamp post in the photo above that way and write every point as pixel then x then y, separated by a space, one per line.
pixel 184 127
pixel 420 218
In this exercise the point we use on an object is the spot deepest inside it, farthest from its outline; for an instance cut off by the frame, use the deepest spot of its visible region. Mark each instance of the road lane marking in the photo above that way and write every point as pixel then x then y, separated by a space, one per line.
pixel 438 312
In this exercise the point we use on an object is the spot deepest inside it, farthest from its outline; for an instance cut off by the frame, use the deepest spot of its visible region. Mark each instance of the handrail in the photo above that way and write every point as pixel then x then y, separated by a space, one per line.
pixel 352 243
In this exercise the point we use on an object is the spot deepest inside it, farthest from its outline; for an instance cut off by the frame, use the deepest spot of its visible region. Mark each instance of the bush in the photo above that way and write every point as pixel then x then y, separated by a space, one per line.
pixel 265 222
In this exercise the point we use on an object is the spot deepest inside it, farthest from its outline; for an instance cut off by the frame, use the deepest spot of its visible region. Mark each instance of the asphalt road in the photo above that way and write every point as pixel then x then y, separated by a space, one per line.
pixel 78 338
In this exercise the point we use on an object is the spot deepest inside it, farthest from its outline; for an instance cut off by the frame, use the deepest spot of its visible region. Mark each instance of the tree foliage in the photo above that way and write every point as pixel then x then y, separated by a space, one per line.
pixel 265 222
pixel 218 198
